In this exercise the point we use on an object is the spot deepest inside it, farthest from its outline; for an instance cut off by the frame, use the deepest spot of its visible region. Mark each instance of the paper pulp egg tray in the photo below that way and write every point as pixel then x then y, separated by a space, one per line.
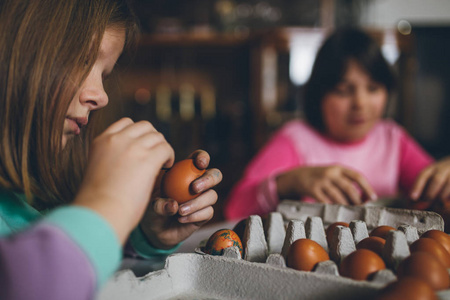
pixel 262 272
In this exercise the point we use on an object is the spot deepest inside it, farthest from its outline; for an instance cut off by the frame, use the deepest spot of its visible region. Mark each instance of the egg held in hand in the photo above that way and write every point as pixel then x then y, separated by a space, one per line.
pixel 176 183
pixel 222 239
pixel 304 254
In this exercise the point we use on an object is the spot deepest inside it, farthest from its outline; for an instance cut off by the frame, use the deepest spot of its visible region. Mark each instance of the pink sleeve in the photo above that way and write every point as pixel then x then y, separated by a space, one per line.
pixel 256 192
pixel 413 159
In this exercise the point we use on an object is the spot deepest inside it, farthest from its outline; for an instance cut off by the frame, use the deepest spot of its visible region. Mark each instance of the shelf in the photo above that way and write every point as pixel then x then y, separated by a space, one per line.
pixel 193 39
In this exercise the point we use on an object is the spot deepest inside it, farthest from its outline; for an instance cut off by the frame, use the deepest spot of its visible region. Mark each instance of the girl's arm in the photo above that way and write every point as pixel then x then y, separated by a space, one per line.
pixel 256 192
pixel 59 257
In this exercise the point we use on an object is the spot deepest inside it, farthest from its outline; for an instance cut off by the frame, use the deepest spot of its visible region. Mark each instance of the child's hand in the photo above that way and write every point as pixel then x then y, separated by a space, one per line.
pixel 167 223
pixel 433 183
pixel 123 164
pixel 330 184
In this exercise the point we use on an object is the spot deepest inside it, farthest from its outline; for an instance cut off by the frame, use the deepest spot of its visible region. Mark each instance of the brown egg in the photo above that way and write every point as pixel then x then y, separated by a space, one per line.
pixel 361 264
pixel 221 239
pixel 426 267
pixel 440 237
pixel 432 247
pixel 177 180
pixel 410 288
pixel 381 231
pixel 304 254
pixel 330 230
pixel 374 243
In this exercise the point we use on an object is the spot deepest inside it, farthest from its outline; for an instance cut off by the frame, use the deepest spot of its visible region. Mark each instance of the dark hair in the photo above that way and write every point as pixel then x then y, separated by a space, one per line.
pixel 331 64
pixel 47 49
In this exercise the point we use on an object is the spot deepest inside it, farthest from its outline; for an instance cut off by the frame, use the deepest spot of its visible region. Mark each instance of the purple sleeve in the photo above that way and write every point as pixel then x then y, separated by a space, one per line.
pixel 44 263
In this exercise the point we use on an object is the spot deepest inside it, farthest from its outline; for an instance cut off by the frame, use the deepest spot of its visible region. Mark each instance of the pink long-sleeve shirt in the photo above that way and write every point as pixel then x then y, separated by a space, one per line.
pixel 388 157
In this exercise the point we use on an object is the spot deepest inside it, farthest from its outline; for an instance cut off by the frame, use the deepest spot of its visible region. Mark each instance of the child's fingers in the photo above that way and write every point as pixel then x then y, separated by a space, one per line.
pixel 164 207
pixel 202 215
pixel 208 198
pixel 434 186
pixel 119 125
pixel 349 189
pixel 420 184
pixel 209 179
pixel 201 159
pixel 156 142
pixel 321 197
pixel 137 129
pixel 362 183
pixel 334 194
pixel 445 193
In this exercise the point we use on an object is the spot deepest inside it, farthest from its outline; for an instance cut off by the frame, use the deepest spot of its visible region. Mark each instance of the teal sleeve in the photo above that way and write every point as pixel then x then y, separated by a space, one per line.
pixel 93 234
pixel 143 247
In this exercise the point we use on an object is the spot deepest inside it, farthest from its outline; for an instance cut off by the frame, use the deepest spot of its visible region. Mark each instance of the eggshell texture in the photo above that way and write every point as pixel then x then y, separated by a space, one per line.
pixel 360 264
pixel 331 227
pixel 381 231
pixel 177 180
pixel 432 247
pixel 440 237
pixel 304 254
pixel 221 239
pixel 410 288
pixel 374 243
pixel 424 266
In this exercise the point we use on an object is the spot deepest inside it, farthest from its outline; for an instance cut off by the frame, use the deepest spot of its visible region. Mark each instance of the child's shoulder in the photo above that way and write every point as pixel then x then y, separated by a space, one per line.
pixel 296 125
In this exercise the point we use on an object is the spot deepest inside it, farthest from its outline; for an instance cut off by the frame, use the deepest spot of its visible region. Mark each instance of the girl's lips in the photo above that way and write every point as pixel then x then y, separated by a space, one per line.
pixel 357 121
pixel 73 126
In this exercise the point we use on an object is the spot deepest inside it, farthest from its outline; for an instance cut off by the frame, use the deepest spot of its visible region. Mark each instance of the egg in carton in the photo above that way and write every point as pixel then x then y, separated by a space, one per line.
pixel 261 273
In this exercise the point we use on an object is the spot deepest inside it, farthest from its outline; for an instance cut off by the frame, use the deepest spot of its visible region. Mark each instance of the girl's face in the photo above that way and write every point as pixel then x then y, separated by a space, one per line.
pixel 91 95
pixel 353 107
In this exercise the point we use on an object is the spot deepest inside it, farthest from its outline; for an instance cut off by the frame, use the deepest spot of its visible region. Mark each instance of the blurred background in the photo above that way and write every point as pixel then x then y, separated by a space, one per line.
pixel 222 75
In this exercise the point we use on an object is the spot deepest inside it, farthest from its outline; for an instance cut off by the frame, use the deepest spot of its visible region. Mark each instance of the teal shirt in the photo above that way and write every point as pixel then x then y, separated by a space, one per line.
pixel 15 213
pixel 100 245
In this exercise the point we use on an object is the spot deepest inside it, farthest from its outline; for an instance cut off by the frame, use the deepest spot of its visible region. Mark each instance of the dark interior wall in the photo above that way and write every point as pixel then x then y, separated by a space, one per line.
pixel 432 88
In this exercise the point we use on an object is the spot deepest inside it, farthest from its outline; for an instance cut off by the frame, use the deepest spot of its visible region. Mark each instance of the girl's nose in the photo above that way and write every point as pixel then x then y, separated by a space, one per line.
pixel 359 97
pixel 93 94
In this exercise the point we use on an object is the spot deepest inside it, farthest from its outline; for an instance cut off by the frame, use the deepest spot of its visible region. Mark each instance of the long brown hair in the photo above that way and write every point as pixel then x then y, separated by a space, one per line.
pixel 47 49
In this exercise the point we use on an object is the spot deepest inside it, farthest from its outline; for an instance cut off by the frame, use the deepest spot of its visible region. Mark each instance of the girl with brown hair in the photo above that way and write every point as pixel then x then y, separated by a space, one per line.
pixel 68 205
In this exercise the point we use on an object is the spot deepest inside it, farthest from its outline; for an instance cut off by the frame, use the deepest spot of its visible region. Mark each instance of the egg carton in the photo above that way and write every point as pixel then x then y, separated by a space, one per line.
pixel 262 272
pixel 373 216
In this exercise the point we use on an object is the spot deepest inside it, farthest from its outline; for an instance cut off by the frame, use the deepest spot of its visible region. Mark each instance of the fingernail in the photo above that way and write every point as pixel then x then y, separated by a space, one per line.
pixel 198 186
pixel 203 162
pixel 373 197
pixel 414 195
pixel 183 219
pixel 184 210
pixel 167 208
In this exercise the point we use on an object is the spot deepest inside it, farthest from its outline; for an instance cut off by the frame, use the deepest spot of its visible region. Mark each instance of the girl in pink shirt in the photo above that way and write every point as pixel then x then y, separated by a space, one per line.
pixel 344 152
